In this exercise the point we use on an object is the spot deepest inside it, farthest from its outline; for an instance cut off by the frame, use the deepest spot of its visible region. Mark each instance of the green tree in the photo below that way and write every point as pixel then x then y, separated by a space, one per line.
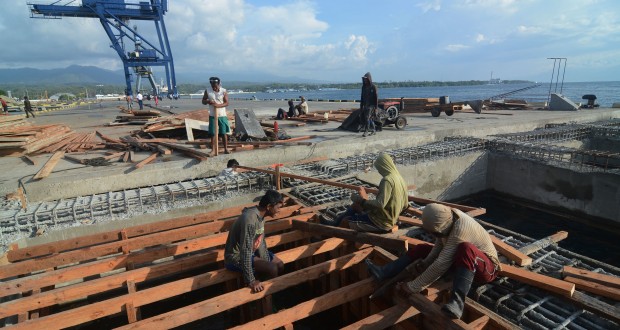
pixel 2 92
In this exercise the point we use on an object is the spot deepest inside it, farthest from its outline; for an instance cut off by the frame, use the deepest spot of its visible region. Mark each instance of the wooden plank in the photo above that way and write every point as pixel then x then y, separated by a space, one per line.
pixel 198 310
pixel 84 289
pixel 147 160
pixel 510 252
pixel 594 287
pixel 384 319
pixel 606 280
pixel 145 229
pixel 540 281
pixel 479 323
pixel 433 317
pixel 352 235
pixel 49 166
pixel 122 261
pixel 75 159
pixel 332 299
pixel 543 243
pixel 134 243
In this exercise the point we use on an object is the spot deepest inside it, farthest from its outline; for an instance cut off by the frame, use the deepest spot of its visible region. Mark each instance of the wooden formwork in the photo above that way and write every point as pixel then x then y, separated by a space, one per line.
pixel 170 274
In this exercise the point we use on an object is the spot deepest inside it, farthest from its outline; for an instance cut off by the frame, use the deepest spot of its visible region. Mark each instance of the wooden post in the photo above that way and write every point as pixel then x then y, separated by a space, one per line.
pixel 215 139
pixel 278 179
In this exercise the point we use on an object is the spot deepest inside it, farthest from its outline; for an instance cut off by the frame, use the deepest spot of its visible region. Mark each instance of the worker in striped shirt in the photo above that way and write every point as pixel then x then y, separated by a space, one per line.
pixel 462 246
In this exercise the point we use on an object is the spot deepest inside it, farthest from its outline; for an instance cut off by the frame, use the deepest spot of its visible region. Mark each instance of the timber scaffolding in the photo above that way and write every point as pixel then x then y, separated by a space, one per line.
pixel 535 145
pixel 171 274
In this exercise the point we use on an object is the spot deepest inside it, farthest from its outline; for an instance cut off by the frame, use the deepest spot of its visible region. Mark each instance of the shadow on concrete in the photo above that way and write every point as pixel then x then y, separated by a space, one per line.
pixel 470 181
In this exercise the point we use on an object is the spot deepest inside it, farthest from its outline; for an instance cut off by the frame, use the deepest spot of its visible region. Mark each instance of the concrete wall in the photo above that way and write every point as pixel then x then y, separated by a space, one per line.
pixel 596 194
pixel 443 179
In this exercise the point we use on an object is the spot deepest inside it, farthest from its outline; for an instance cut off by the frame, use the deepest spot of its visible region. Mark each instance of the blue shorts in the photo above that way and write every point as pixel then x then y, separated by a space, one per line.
pixel 236 268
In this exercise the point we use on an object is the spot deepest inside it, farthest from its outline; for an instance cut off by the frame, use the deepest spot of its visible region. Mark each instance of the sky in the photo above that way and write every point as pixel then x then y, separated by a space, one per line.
pixel 340 40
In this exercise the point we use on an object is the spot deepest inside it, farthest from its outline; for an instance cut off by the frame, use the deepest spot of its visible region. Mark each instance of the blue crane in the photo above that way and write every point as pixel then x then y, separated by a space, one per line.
pixel 114 16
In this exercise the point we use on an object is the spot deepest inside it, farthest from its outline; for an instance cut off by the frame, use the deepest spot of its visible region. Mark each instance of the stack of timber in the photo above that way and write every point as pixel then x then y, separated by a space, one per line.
pixel 12 121
pixel 136 117
pixel 178 121
pixel 18 141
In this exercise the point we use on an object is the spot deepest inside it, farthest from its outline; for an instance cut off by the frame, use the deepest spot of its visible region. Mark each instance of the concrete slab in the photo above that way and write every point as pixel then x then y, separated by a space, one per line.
pixel 69 179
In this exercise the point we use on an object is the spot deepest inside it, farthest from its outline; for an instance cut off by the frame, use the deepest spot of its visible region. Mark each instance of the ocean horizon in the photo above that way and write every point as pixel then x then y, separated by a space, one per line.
pixel 607 92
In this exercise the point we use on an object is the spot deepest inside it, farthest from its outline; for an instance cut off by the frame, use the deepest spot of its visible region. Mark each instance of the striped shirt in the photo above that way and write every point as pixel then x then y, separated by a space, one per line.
pixel 441 257
pixel 247 232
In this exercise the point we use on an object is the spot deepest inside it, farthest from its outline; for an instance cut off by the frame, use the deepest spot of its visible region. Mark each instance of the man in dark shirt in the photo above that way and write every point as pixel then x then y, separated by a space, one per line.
pixel 246 250
pixel 28 107
pixel 368 104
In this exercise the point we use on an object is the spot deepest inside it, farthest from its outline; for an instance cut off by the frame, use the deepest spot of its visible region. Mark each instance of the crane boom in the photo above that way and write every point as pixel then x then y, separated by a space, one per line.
pixel 114 16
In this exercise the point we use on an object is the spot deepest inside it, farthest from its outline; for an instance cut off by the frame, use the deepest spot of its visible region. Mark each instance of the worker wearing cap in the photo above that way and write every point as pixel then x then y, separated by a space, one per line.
pixel 217 99
pixel 461 245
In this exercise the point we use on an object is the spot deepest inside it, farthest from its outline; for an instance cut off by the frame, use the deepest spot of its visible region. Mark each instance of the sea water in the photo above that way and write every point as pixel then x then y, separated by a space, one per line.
pixel 607 93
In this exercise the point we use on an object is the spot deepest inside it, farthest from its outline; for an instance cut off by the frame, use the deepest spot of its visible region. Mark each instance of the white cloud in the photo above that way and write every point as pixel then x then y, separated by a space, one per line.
pixel 434 5
pixel 456 47
pixel 480 37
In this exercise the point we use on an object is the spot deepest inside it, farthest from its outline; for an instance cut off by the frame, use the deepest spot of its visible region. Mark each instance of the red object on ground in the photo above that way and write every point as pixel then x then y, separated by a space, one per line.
pixel 275 129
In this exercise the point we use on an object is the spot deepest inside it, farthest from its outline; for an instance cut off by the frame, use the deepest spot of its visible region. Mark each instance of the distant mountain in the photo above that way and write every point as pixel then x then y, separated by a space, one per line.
pixel 74 74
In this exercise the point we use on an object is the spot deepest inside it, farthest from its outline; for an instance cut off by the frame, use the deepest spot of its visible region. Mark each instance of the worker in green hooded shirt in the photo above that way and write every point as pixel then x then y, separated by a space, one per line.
pixel 379 214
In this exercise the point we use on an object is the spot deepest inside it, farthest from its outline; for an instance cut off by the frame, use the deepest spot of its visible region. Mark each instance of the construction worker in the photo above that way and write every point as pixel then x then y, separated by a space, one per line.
pixel 217 99
pixel 246 251
pixel 5 107
pixel 28 107
pixel 461 245
pixel 139 97
pixel 369 103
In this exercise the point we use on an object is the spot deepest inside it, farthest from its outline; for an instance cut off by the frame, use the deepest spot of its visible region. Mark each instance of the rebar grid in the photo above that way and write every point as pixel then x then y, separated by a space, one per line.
pixel 84 209
pixel 574 159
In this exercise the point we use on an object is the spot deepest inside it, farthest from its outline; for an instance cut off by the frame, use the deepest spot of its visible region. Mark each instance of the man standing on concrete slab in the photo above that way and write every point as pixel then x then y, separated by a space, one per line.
pixel 369 102
pixel 246 251
pixel 28 107
pixel 217 99
pixel 129 101
pixel 139 97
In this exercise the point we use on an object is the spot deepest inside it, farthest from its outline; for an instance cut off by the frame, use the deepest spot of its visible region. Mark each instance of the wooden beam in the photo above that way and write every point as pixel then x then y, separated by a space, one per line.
pixel 352 235
pixel 510 252
pixel 134 243
pixel 606 280
pixel 543 243
pixel 594 287
pixel 384 319
pixel 433 317
pixel 332 299
pixel 242 296
pixel 49 166
pixel 84 289
pixel 597 306
pixel 147 160
pixel 540 281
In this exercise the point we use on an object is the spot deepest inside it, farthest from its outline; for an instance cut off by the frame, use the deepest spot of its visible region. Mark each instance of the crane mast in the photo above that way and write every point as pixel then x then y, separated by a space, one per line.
pixel 115 17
